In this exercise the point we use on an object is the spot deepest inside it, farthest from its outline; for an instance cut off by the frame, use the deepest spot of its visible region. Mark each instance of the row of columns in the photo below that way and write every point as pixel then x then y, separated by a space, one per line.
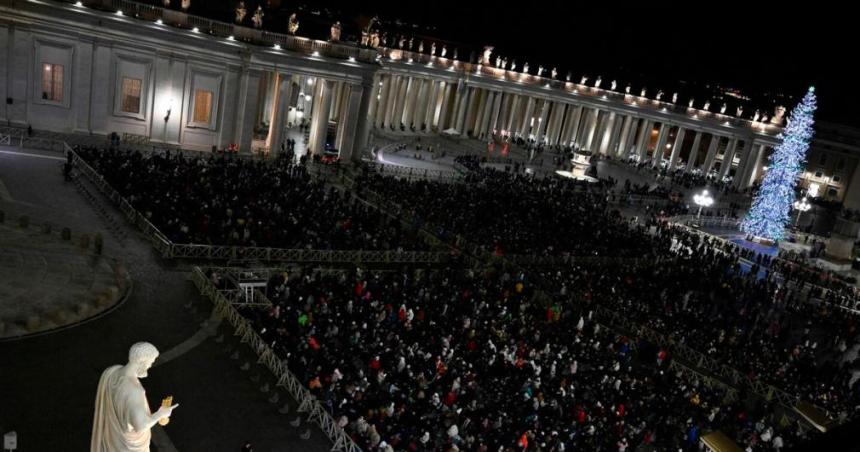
pixel 417 104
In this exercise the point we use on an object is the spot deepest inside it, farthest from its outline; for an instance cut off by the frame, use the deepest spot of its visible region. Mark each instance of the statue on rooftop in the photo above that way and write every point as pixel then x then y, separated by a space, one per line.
pixel 374 39
pixel 498 61
pixel 598 82
pixel 756 116
pixel 411 43
pixel 488 52
pixel 293 24
pixel 526 68
pixel 690 103
pixel 421 47
pixel 553 73
pixel 613 85
pixel 723 109
pixel 334 33
pixel 674 98
pixel 444 51
pixel 643 92
pixel 185 5
pixel 258 17
pixel 241 12
pixel 513 65
pixel 740 112
pixel 401 42
pixel 455 54
pixel 627 89
pixel 540 71
pixel 583 80
pixel 707 105
pixel 659 94
pixel 433 49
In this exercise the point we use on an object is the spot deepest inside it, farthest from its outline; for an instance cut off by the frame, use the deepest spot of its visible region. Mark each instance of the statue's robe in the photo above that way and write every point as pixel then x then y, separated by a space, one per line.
pixel 118 397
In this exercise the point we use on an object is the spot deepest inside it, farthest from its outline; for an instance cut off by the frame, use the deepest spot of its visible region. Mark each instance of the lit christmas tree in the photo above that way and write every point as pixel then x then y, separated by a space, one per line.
pixel 772 205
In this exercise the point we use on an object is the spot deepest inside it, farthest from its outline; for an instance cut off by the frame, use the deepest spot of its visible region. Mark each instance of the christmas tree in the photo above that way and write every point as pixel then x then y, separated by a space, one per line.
pixel 772 205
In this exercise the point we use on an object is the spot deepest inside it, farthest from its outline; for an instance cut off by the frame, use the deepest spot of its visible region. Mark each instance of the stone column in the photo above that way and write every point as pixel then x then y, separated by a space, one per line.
pixel 279 111
pixel 379 117
pixel 485 114
pixel 571 124
pixel 246 106
pixel 676 148
pixel 495 113
pixel 543 120
pixel 390 101
pixel 606 133
pixel 694 152
pixel 400 103
pixel 473 109
pixel 412 100
pixel 590 129
pixel 356 124
pixel 728 157
pixel 752 169
pixel 555 117
pixel 525 126
pixel 747 161
pixel 615 135
pixel 644 138
pixel 513 114
pixel 442 113
pixel 625 137
pixel 319 122
pixel 430 105
pixel 460 121
pixel 660 148
pixel 712 154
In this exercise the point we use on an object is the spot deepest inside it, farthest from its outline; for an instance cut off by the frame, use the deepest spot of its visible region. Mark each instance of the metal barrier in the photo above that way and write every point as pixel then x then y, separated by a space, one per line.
pixel 308 404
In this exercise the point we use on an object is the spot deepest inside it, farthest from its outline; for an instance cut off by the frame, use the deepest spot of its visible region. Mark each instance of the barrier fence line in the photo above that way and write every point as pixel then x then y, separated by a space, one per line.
pixel 308 404
pixel 169 250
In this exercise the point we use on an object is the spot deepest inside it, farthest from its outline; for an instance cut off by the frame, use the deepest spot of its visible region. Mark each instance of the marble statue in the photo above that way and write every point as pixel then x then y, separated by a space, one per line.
pixel 540 71
pixel 411 43
pixel 444 51
pixel 433 49
pixel 613 85
pixel 740 111
pixel 568 76
pixel 764 118
pixel 526 68
pixel 334 33
pixel 513 65
pixel 258 17
pixel 365 38
pixel 659 94
pixel 384 39
pixel 488 52
pixel 374 39
pixel 167 3
pixel 553 73
pixel 690 103
pixel 778 114
pixel 241 12
pixel 598 82
pixel 123 419
pixel 627 89
pixel 293 24
pixel 723 109
pixel 707 105
pixel 583 80
pixel 454 56
pixel 498 61
pixel 421 47
pixel 643 92
pixel 504 63
pixel 401 41
pixel 185 5
pixel 674 98
pixel 756 116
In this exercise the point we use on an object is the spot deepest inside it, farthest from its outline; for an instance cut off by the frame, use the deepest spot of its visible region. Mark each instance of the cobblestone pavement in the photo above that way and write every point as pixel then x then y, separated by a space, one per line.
pixel 48 383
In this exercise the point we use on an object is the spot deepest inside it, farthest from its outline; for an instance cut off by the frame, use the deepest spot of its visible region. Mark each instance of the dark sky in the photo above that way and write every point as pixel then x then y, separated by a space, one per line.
pixel 754 46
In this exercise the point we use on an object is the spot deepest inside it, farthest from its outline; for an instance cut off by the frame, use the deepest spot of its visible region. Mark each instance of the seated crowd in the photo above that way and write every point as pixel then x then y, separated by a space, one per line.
pixel 221 200
pixel 488 359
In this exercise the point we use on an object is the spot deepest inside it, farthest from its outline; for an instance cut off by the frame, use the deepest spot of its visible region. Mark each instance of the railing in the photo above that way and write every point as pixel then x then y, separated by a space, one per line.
pixel 707 222
pixel 220 29
pixel 413 173
pixel 308 404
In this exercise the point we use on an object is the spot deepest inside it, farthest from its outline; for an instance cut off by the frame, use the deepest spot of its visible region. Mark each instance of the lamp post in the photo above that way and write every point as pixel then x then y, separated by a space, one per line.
pixel 801 206
pixel 703 199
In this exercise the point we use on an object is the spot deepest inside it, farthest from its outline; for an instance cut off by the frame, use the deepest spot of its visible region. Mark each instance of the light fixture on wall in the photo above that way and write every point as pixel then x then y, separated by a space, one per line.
pixel 159 22
pixel 79 4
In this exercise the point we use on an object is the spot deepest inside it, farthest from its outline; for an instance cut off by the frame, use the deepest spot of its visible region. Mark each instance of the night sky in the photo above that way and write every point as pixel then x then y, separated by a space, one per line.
pixel 759 49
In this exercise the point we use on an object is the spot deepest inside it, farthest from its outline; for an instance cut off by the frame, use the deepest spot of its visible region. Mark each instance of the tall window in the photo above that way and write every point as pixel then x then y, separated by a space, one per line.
pixel 131 95
pixel 202 106
pixel 52 82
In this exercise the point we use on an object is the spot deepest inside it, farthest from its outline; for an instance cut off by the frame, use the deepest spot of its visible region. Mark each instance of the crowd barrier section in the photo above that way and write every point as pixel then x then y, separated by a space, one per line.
pixel 307 403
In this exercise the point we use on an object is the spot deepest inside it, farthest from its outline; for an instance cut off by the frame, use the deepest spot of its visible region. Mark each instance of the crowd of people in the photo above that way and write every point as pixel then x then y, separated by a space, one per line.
pixel 504 357
pixel 226 200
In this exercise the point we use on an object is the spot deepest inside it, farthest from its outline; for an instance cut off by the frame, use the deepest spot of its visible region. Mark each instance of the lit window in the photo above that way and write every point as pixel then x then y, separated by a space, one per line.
pixel 52 82
pixel 202 106
pixel 131 95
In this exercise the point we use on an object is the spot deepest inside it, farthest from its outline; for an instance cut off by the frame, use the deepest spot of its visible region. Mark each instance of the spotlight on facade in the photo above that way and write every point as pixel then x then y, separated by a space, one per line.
pixel 195 30
pixel 79 4
pixel 316 53
pixel 300 114
pixel 307 97
pixel 159 22
pixel 231 38
pixel 352 59
pixel 277 47
pixel 119 12
pixel 310 81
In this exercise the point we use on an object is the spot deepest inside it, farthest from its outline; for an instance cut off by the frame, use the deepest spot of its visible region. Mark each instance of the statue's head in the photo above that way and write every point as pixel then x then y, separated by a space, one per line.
pixel 141 356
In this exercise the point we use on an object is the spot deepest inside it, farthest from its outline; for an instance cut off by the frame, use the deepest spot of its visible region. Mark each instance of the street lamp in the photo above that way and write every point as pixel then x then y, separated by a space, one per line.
pixel 801 206
pixel 703 199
